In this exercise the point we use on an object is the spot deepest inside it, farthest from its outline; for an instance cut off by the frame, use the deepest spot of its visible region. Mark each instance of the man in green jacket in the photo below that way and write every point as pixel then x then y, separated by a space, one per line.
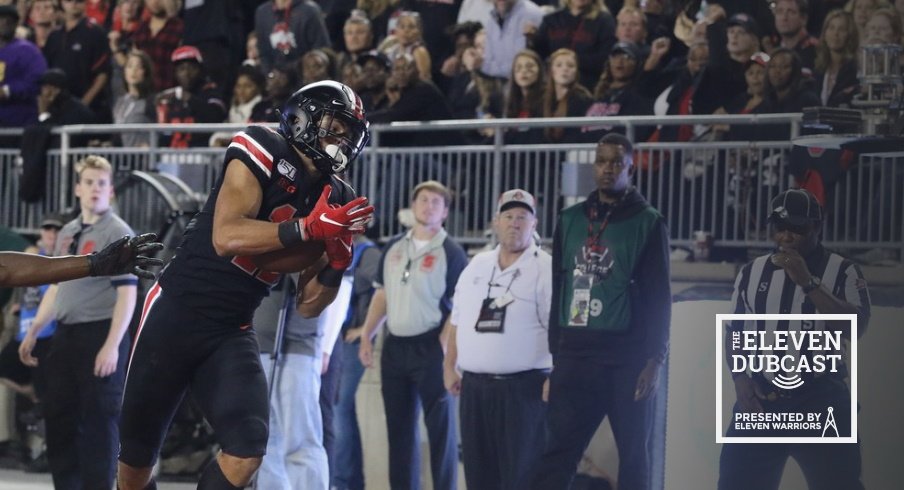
pixel 609 324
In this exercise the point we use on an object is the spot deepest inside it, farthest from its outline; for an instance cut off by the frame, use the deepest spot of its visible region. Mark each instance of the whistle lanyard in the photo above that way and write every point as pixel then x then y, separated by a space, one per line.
pixel 490 284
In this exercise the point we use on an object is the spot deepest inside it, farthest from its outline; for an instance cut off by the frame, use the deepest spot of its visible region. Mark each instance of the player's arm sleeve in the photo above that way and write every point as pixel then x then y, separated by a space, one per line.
pixel 248 147
pixel 652 277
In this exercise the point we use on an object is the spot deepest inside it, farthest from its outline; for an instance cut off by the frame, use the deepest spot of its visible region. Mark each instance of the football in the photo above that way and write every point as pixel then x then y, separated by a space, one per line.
pixel 293 259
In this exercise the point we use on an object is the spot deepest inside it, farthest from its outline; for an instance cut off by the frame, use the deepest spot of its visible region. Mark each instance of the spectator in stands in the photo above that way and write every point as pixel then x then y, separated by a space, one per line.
pixel 791 25
pixel 883 27
pixel 288 29
pixel 750 102
pixel 58 107
pixel 136 105
pixel 660 15
pixel 463 37
pixel 23 66
pixel 316 65
pixel 252 53
pixel 80 48
pixel 785 89
pixel 785 92
pixel 126 19
pixel 412 99
pixel 127 15
pixel 564 95
pixel 524 96
pixel 159 36
pixel 656 74
pixel 379 12
pixel 680 95
pixel 97 11
pixel 247 93
pixel 409 34
pixel 42 19
pixel 281 82
pixel 194 99
pixel 631 26
pixel 436 18
pixel 474 11
pixel 358 37
pixel 375 69
pixel 836 60
pixel 862 10
pixel 474 95
pixel 584 26
pixel 505 29
pixel 350 75
pixel 731 45
pixel 616 93
pixel 217 29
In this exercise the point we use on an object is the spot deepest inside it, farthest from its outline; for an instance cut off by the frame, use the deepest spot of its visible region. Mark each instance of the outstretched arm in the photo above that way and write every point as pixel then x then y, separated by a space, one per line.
pixel 126 255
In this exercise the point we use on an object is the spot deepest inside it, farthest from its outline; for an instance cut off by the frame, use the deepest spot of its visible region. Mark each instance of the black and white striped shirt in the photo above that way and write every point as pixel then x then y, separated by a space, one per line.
pixel 763 288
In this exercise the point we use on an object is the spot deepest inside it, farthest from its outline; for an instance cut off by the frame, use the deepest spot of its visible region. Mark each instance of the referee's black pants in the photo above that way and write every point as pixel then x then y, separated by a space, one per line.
pixel 503 428
pixel 82 410
pixel 825 466
pixel 411 370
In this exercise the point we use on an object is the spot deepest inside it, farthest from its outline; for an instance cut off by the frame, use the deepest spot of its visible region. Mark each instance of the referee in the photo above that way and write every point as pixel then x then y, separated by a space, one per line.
pixel 800 277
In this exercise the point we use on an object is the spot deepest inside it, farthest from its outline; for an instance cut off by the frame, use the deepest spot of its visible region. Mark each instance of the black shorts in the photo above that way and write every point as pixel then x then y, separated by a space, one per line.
pixel 177 349
pixel 11 366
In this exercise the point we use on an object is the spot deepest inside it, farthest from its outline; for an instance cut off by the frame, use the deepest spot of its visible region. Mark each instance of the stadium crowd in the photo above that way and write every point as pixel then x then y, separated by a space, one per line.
pixel 133 61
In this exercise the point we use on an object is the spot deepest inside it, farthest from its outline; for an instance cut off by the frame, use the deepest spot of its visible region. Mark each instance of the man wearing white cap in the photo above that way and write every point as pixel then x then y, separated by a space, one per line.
pixel 502 302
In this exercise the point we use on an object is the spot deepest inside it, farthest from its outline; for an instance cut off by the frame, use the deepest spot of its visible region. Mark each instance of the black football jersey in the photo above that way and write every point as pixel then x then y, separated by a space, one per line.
pixel 231 288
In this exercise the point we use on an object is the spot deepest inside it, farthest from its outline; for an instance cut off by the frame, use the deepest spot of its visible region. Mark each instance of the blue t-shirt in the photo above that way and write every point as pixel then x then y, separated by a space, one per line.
pixel 29 308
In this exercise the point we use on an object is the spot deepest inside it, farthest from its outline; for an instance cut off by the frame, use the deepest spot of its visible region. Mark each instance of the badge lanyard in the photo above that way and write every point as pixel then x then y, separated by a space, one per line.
pixel 492 311
pixel 583 279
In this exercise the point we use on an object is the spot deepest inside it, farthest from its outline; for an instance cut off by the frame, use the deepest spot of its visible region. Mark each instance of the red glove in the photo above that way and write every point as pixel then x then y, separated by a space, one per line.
pixel 340 252
pixel 326 222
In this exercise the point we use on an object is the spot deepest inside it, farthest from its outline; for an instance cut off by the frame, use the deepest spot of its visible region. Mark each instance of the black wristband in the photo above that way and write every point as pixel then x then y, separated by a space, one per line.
pixel 290 233
pixel 330 277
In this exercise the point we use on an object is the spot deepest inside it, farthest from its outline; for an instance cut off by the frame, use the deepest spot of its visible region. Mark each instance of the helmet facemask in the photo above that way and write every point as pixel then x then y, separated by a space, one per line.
pixel 329 137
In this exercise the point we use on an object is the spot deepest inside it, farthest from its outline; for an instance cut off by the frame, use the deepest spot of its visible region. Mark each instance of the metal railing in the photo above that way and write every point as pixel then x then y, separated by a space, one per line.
pixel 722 188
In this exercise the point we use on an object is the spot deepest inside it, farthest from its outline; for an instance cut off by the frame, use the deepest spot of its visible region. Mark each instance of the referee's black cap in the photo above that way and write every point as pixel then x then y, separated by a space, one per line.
pixel 797 207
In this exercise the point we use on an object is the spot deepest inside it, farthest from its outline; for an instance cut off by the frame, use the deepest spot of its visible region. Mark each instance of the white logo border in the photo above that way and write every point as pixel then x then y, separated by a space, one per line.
pixel 721 318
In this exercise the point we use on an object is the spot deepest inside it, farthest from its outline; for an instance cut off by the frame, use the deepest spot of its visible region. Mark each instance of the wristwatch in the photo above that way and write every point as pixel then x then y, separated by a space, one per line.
pixel 812 285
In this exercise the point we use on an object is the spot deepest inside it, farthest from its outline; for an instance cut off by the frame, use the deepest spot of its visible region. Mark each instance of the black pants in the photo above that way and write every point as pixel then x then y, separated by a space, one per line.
pixel 582 391
pixel 412 375
pixel 825 466
pixel 81 409
pixel 503 428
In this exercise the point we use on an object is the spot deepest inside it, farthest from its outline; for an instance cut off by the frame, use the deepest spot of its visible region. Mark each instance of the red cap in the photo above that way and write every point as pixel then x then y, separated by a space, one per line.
pixel 184 53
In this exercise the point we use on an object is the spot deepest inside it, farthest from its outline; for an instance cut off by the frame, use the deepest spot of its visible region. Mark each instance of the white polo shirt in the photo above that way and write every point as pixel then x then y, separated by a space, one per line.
pixel 524 343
